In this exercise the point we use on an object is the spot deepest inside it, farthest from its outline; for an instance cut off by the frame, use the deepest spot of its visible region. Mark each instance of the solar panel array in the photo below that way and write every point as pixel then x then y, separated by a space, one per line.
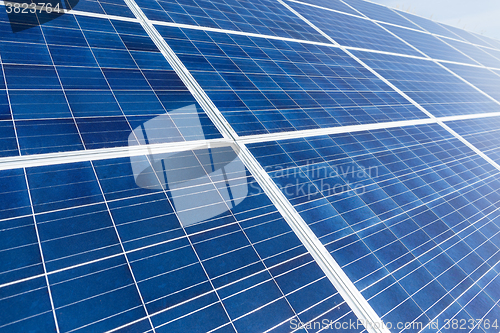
pixel 246 166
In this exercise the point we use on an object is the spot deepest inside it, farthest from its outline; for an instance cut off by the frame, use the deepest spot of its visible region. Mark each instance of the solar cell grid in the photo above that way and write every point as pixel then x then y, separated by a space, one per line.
pixel 335 5
pixel 470 37
pixel 380 13
pixel 437 90
pixel 424 215
pixel 429 25
pixel 188 241
pixel 229 270
pixel 262 16
pixel 476 53
pixel 90 83
pixel 482 78
pixel 430 45
pixel 482 133
pixel 264 86
pixel 353 31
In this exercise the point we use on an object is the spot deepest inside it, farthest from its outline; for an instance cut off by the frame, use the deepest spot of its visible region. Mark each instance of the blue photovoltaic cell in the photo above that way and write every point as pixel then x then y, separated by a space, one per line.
pixel 381 13
pixel 492 42
pixel 207 249
pixel 430 45
pixel 493 52
pixel 411 215
pixel 109 7
pixel 471 38
pixel 429 25
pixel 263 85
pixel 484 134
pixel 265 17
pixel 482 78
pixel 85 83
pixel 476 53
pixel 353 31
pixel 437 90
pixel 331 4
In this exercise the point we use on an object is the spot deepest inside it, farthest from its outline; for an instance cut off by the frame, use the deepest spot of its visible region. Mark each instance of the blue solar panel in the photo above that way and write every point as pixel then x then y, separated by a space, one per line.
pixel 466 35
pixel 482 133
pixel 91 82
pixel 207 249
pixel 411 215
pixel 265 85
pixel 439 91
pixel 482 78
pixel 429 25
pixel 476 53
pixel 430 45
pixel 352 31
pixel 381 13
pixel 163 238
pixel 262 16
pixel 332 4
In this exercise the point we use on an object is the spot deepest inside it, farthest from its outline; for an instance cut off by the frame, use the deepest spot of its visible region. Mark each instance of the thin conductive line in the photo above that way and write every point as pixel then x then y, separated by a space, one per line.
pixel 124 252
pixel 10 107
pixel 41 252
pixel 305 234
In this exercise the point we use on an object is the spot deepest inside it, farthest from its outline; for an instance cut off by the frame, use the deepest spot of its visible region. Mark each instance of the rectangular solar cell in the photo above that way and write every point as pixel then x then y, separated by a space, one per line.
pixel 482 133
pixel 410 214
pixel 437 90
pixel 428 25
pixel 430 45
pixel 381 13
pixel 482 78
pixel 188 241
pixel 264 85
pixel 261 17
pixel 92 83
pixel 476 53
pixel 352 31
pixel 183 241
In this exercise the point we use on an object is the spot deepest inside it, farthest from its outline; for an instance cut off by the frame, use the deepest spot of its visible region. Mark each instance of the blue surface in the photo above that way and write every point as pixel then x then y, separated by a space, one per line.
pixel 381 13
pixel 264 17
pixel 88 83
pixel 429 25
pixel 476 53
pixel 89 213
pixel 484 134
pixel 437 90
pixel 263 86
pixel 332 4
pixel 430 45
pixel 410 214
pixel 486 80
pixel 353 31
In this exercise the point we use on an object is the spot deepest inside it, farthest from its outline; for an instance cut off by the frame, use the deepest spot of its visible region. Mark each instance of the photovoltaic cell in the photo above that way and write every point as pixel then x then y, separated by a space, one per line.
pixel 466 35
pixel 411 215
pixel 331 4
pixel 264 86
pixel 429 25
pixel 112 229
pixel 430 45
pixel 261 17
pixel 482 78
pixel 433 87
pixel 86 83
pixel 381 13
pixel 476 53
pixel 482 133
pixel 352 31
pixel 188 241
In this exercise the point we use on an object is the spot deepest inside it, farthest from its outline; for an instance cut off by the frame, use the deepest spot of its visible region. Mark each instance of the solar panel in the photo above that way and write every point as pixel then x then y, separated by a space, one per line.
pixel 408 213
pixel 246 166
pixel 439 91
